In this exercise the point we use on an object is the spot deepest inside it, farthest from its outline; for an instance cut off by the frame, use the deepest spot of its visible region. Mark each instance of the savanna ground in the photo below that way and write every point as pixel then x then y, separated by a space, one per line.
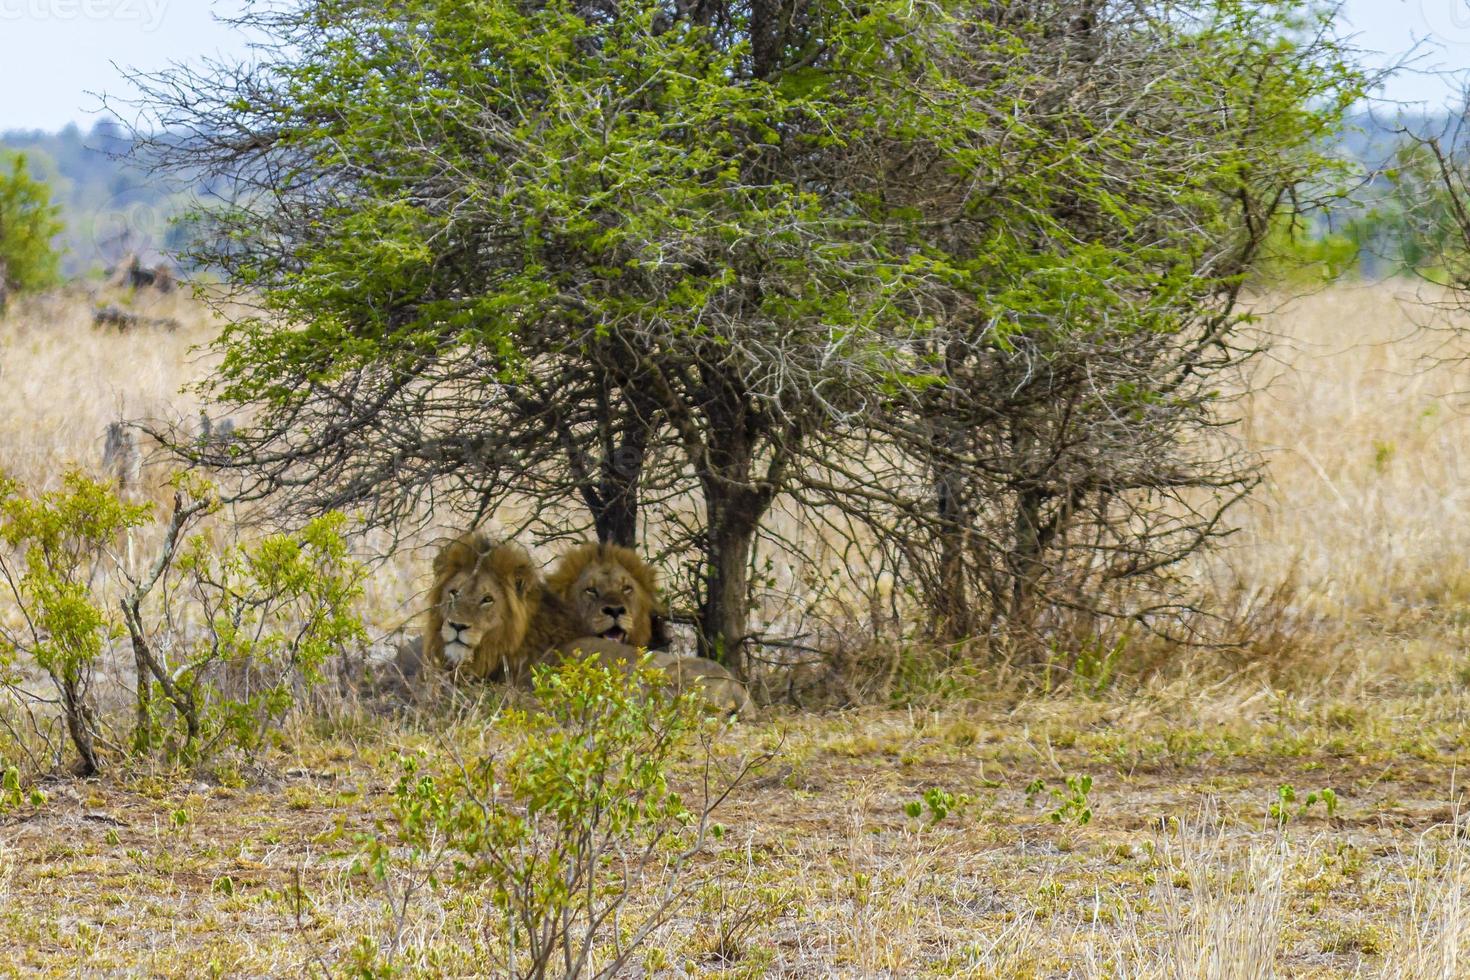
pixel 1171 862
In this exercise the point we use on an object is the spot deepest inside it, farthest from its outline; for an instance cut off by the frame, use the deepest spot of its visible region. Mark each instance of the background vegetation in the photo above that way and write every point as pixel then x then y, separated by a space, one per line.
pixel 1104 593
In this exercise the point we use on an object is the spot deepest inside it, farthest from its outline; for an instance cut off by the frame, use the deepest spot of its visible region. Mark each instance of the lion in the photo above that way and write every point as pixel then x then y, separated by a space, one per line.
pixel 491 616
pixel 716 685
pixel 479 613
pixel 613 592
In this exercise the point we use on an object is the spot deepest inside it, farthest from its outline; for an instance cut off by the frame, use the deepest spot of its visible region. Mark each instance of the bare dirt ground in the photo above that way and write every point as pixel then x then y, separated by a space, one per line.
pixel 1354 556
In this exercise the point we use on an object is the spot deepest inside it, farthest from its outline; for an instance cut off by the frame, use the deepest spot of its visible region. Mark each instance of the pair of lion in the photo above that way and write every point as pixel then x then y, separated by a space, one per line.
pixel 491 614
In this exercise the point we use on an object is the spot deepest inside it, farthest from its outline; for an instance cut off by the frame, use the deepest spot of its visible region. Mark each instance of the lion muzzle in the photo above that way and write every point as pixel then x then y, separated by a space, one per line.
pixel 621 624
pixel 459 644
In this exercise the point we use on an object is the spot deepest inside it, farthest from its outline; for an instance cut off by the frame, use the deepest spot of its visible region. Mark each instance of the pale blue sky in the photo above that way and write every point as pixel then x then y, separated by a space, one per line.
pixel 53 52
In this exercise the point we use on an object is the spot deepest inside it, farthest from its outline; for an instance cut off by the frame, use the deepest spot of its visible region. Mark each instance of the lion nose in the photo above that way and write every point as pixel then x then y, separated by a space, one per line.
pixel 459 627
pixel 614 611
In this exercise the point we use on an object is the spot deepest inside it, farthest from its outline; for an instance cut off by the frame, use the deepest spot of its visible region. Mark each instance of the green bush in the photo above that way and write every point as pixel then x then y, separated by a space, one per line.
pixel 274 612
pixel 560 827
pixel 277 610
pixel 58 546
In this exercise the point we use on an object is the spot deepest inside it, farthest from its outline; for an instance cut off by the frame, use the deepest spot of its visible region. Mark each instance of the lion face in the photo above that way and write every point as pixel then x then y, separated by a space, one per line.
pixel 610 604
pixel 478 610
pixel 474 605
pixel 611 591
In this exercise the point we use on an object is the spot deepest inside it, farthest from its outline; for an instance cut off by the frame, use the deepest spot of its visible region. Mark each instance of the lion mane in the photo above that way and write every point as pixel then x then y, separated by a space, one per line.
pixel 474 562
pixel 520 621
pixel 489 594
pixel 613 592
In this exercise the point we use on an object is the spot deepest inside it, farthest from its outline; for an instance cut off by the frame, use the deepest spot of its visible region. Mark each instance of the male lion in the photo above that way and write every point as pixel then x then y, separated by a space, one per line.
pixel 613 592
pixel 478 611
pixel 615 596
pixel 491 615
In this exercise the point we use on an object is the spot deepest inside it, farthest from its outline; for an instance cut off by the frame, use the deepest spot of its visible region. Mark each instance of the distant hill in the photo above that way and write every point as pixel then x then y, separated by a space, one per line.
pixel 110 205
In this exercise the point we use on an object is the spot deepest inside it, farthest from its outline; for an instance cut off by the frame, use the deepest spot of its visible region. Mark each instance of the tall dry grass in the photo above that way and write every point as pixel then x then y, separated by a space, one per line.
pixel 1219 910
pixel 1432 930
pixel 62 380
pixel 1360 410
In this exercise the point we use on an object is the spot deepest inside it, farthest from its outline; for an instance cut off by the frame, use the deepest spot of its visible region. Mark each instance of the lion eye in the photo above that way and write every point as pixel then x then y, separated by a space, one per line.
pixel 590 591
pixel 487 600
pixel 627 590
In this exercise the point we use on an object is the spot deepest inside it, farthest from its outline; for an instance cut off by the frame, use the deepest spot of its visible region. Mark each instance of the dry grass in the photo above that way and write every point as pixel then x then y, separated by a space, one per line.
pixel 1432 929
pixel 62 380
pixel 1180 873
pixel 1363 420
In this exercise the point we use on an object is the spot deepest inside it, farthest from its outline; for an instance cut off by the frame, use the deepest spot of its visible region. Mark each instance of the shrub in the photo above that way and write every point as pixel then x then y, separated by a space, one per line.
pixel 560 826
pixel 273 612
pixel 59 545
pixel 277 611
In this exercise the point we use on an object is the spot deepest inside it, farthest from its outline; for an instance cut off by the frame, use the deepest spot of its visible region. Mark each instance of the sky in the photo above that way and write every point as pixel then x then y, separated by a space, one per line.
pixel 55 54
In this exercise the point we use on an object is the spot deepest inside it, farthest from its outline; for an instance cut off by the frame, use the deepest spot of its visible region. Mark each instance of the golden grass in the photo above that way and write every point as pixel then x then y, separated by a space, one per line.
pixel 1180 873
pixel 62 380
pixel 1361 417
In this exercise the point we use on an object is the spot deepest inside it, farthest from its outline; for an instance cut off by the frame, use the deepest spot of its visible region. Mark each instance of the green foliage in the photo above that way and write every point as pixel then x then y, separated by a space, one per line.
pixel 733 916
pixel 278 609
pixel 673 112
pixel 28 223
pixel 1285 809
pixel 1097 664
pixel 109 203
pixel 13 795
pixel 556 828
pixel 1094 665
pixel 58 542
pixel 1294 254
pixel 939 803
pixel 1414 225
pixel 1071 799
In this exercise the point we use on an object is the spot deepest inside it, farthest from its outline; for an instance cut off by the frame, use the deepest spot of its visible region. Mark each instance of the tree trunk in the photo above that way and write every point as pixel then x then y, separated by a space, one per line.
pixel 143 706
pixel 953 605
pixel 726 606
pixel 79 726
pixel 616 514
pixel 735 500
pixel 1025 559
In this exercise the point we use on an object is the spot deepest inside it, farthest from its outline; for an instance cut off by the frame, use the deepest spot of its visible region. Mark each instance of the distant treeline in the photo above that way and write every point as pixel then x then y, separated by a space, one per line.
pixel 110 205
pixel 1394 222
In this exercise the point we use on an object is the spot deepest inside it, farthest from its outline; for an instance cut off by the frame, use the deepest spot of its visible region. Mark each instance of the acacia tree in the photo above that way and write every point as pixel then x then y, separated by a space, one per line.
pixel 490 237
pixel 618 252
pixel 1074 445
